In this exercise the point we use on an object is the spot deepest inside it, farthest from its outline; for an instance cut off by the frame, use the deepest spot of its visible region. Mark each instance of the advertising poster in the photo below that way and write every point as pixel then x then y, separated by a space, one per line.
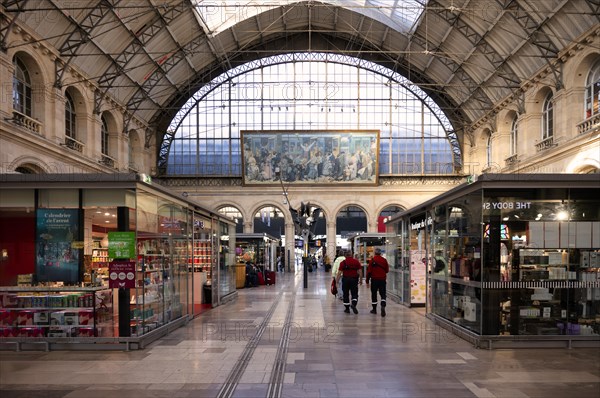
pixel 121 274
pixel 56 259
pixel 418 273
pixel 121 244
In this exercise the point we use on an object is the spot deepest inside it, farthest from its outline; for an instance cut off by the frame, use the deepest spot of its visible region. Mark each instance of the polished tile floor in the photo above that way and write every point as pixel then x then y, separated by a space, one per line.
pixel 288 341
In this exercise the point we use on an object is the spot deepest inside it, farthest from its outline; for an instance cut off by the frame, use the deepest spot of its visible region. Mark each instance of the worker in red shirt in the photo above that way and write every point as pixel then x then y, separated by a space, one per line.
pixel 376 274
pixel 351 271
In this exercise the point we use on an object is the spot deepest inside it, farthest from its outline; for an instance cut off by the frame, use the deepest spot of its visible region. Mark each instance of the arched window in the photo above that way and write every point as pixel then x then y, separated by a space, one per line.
pixel 548 117
pixel 70 116
pixel 104 137
pixel 24 170
pixel 514 136
pixel 592 92
pixel 21 88
pixel 350 220
pixel 310 91
pixel 234 213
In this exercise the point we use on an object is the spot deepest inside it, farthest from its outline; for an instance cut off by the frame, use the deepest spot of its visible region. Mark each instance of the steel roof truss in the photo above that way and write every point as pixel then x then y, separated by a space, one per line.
pixel 6 23
pixel 80 35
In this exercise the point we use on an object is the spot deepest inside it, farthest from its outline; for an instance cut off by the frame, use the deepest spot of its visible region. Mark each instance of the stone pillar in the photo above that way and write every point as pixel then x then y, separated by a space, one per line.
pixel 121 154
pixel 248 226
pixel 7 71
pixel 331 241
pixel 290 244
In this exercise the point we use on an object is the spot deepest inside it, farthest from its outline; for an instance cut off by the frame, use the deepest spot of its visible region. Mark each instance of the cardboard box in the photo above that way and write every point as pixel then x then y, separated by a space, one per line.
pixel 71 318
pixel 56 332
pixel 86 317
pixel 25 318
pixel 31 332
pixel 86 332
pixel 41 318
pixel 9 332
pixel 57 318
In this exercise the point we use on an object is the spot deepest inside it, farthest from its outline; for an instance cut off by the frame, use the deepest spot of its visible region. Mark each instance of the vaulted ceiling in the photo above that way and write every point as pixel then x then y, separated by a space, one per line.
pixel 152 55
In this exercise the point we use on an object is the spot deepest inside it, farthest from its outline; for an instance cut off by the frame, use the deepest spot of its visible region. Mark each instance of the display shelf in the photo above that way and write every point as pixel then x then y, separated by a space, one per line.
pixel 548 280
pixel 152 302
pixel 55 312
pixel 100 258
pixel 201 258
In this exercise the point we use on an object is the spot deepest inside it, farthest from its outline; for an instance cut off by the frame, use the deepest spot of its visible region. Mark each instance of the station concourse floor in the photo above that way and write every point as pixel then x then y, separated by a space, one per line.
pixel 289 341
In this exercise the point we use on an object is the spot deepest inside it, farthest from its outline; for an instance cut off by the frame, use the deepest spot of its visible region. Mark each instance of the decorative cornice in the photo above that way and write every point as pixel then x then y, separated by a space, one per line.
pixel 383 181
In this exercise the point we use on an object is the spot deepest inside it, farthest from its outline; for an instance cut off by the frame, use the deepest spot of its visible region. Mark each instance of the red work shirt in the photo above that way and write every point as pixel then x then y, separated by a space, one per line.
pixel 377 269
pixel 350 267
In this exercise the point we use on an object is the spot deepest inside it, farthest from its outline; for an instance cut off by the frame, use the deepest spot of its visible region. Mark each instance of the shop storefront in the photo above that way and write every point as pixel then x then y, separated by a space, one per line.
pixel 363 246
pixel 511 260
pixel 105 259
pixel 406 247
pixel 258 248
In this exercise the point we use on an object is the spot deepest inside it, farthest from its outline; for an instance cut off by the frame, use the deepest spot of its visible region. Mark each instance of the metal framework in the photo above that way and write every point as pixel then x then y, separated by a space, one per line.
pixel 228 76
pixel 467 55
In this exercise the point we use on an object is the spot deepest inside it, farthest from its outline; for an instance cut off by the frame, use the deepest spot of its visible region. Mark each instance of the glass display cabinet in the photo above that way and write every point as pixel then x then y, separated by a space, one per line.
pixel 56 312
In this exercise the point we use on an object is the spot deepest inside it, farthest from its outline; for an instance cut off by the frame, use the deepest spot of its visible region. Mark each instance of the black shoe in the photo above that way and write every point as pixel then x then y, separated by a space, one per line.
pixel 383 312
pixel 347 310
pixel 354 309
pixel 373 311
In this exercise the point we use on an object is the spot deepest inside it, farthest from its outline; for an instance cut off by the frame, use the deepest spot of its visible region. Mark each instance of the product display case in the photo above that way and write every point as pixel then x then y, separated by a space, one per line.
pixel 555 292
pixel 99 265
pixel 202 256
pixel 154 301
pixel 56 312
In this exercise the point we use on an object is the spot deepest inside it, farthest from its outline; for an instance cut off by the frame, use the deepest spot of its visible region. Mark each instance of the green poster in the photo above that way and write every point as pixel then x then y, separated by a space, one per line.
pixel 121 244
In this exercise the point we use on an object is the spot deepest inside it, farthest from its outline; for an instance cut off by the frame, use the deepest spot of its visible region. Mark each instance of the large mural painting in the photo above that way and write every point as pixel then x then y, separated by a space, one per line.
pixel 310 157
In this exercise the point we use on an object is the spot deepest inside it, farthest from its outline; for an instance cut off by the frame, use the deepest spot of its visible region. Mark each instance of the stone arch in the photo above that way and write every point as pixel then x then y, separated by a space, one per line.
pixel 584 164
pixel 362 207
pixel 31 163
pixel 538 99
pixel 273 225
pixel 383 206
pixel 239 220
pixel 581 69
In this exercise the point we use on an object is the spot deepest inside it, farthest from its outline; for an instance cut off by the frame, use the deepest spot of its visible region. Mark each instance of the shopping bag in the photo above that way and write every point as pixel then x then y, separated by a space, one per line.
pixel 333 287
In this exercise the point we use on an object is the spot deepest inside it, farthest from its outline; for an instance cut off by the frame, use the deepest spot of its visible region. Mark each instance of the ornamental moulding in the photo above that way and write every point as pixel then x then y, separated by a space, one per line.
pixel 383 181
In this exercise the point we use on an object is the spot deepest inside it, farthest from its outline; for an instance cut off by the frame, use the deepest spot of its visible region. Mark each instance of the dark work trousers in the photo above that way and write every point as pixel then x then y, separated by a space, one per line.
pixel 350 287
pixel 378 286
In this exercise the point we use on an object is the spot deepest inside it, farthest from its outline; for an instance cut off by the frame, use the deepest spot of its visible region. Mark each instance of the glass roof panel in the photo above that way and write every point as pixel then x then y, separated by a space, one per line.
pixel 218 16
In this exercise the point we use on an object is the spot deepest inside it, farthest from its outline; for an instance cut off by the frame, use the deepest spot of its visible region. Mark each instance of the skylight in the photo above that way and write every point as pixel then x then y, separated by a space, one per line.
pixel 219 15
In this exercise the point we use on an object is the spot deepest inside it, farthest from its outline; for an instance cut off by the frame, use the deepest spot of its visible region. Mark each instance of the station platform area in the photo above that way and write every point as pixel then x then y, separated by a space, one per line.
pixel 289 341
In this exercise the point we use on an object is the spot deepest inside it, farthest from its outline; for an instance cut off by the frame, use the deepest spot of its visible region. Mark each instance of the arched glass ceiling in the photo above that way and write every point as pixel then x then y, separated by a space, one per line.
pixel 217 16
pixel 309 91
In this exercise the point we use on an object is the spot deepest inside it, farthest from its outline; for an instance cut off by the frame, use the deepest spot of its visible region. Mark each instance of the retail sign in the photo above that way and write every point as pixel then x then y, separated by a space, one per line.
pixel 510 205
pixel 421 224
pixel 77 244
pixel 56 260
pixel 121 274
pixel 121 244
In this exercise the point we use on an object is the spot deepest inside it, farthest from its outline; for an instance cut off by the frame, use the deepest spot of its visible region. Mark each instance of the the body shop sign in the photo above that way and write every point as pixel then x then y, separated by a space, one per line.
pixel 121 274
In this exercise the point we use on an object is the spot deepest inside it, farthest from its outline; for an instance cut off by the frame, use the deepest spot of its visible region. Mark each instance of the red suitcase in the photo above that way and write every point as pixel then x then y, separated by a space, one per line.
pixel 261 279
pixel 270 277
